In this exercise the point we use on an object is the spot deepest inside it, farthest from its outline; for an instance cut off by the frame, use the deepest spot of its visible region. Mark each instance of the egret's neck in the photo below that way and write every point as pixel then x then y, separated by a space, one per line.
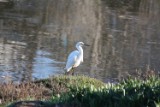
pixel 80 49
pixel 81 52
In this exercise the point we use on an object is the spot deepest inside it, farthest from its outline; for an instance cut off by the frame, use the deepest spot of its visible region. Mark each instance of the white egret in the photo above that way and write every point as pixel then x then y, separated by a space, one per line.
pixel 75 58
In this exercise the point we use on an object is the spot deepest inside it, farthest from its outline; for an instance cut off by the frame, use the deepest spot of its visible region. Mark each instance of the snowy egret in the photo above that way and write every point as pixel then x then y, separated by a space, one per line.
pixel 75 58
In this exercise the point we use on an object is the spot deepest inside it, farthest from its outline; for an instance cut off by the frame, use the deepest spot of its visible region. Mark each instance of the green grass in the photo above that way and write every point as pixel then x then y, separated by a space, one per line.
pixel 62 84
pixel 82 91
pixel 128 93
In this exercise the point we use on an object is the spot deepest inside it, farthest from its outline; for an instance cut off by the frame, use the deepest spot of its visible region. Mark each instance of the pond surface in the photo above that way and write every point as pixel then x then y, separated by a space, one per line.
pixel 36 38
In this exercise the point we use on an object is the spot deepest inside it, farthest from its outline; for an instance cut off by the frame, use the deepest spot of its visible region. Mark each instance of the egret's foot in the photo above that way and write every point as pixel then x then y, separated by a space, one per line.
pixel 66 73
pixel 69 73
pixel 72 73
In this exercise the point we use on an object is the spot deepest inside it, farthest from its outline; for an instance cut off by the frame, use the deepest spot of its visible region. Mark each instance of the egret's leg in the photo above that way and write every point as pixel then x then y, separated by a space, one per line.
pixel 66 73
pixel 72 71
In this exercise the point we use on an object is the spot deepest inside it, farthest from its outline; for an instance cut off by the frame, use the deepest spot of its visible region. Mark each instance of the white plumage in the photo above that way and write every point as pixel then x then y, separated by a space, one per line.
pixel 75 58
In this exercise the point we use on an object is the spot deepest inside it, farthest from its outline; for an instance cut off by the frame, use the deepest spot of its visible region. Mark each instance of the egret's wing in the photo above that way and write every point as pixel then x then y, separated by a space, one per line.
pixel 71 60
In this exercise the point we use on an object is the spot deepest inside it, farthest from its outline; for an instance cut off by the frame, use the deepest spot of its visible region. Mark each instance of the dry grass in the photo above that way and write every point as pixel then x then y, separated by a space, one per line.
pixel 43 89
pixel 28 91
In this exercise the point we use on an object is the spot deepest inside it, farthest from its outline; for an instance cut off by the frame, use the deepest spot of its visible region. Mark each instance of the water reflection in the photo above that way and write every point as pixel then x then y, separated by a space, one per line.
pixel 45 66
pixel 37 36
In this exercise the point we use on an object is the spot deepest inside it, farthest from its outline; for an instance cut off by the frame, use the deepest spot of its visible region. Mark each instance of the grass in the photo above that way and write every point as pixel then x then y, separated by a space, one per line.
pixel 128 93
pixel 81 91
pixel 62 84
pixel 43 89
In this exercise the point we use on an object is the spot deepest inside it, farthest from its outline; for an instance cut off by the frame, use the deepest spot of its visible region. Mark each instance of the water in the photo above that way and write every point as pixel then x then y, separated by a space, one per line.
pixel 37 36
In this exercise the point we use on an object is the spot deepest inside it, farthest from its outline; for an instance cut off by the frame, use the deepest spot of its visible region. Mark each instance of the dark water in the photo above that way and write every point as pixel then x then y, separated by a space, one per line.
pixel 36 36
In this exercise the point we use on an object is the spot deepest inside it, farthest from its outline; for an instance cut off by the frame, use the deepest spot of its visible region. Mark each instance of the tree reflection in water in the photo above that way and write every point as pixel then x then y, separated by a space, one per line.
pixel 36 37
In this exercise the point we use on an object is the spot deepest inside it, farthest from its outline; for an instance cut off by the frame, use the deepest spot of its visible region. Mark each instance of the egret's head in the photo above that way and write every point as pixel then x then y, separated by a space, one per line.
pixel 79 44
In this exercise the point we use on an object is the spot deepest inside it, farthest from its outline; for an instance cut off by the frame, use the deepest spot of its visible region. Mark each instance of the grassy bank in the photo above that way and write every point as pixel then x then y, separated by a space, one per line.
pixel 81 91
pixel 128 93
pixel 44 89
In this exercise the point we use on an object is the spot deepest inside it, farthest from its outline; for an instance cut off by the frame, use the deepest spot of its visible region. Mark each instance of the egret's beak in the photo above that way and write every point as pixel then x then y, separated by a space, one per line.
pixel 86 45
